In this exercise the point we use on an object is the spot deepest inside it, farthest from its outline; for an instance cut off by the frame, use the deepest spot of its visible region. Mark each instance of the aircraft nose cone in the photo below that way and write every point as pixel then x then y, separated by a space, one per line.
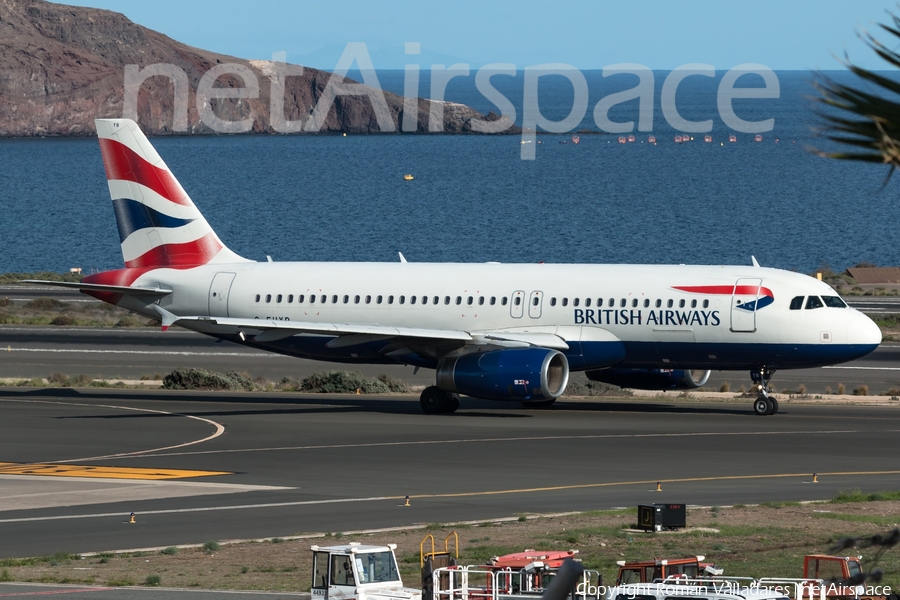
pixel 863 331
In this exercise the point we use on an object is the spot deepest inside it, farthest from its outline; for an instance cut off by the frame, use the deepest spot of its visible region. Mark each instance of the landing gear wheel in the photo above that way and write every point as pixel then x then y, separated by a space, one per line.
pixel 434 401
pixel 762 406
pixel 454 403
pixel 541 404
pixel 774 408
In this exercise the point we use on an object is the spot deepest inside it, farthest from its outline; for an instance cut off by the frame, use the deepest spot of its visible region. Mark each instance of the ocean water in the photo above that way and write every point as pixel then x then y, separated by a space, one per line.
pixel 324 197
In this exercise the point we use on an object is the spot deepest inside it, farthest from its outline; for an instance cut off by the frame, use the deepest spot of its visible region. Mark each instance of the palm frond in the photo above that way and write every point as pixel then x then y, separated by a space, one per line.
pixel 868 119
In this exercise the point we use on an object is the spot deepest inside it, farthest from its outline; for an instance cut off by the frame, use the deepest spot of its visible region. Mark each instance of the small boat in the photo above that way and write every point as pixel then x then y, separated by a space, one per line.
pixel 678 139
pixel 651 139
pixel 732 138
pixel 575 139
pixel 758 137
pixel 408 177
pixel 622 139
pixel 630 138
pixel 707 138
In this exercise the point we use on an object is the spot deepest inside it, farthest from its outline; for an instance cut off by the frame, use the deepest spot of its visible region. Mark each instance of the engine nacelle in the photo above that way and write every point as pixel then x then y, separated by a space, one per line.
pixel 530 374
pixel 651 379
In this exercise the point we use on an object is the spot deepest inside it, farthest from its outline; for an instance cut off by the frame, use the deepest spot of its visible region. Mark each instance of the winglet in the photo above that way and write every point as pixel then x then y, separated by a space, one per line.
pixel 168 319
pixel 753 258
pixel 402 258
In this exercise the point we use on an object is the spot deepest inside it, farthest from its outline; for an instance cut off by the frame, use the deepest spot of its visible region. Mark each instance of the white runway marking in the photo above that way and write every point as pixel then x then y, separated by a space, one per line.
pixel 865 368
pixel 511 439
pixel 218 427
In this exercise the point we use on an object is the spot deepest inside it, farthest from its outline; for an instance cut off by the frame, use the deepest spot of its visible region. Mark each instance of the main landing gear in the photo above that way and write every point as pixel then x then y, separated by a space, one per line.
pixel 764 404
pixel 436 401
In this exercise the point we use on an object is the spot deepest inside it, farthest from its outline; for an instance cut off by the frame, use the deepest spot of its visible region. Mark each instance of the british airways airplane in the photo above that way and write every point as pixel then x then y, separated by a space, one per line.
pixel 494 331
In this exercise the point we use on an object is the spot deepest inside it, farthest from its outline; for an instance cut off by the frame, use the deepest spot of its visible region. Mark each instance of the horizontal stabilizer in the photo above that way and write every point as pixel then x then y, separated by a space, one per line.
pixel 99 287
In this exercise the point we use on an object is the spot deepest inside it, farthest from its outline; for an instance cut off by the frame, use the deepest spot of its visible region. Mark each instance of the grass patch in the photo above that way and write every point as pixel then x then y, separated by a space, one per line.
pixel 120 582
pixel 211 546
pixel 170 551
pixel 876 519
pixel 153 580
pixel 856 495
pixel 201 379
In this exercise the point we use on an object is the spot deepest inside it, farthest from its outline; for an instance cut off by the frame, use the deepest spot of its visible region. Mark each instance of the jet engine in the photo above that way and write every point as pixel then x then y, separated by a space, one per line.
pixel 524 374
pixel 651 379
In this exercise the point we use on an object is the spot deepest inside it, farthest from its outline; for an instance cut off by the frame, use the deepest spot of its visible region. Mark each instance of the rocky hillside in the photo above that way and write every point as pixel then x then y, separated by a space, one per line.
pixel 63 66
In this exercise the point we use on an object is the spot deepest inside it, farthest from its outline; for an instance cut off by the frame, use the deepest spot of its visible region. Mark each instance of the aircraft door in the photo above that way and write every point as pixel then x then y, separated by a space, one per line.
pixel 218 294
pixel 535 301
pixel 517 306
pixel 744 300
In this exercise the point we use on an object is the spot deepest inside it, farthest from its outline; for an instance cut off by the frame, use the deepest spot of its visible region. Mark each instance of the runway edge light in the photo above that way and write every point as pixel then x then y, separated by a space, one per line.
pixel 132 520
pixel 815 478
pixel 407 501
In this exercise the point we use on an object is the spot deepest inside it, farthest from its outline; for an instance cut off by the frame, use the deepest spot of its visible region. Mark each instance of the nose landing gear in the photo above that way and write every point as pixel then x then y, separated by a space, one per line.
pixel 764 404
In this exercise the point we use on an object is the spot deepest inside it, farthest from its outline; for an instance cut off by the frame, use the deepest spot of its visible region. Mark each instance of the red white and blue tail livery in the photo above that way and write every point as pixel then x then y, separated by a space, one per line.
pixel 501 332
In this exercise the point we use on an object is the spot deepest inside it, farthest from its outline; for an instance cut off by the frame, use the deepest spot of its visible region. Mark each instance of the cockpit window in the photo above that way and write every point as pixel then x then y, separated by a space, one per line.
pixel 834 302
pixel 797 303
pixel 813 302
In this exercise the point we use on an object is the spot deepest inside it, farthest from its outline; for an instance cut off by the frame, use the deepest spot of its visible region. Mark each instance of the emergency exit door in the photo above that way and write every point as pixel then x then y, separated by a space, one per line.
pixel 218 294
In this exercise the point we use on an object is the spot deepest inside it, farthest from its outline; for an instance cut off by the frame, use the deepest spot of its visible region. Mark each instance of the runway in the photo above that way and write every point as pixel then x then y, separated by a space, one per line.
pixel 297 464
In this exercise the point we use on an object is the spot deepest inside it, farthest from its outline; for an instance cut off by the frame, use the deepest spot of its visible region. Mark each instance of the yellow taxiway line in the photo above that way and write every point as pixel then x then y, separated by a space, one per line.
pixel 57 470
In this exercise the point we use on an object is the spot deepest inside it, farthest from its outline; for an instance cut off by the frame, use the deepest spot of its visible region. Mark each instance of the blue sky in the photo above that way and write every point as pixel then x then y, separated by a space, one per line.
pixel 781 34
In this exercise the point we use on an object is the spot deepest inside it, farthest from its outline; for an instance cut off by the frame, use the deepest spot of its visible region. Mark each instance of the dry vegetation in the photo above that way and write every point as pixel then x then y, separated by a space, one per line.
pixel 762 540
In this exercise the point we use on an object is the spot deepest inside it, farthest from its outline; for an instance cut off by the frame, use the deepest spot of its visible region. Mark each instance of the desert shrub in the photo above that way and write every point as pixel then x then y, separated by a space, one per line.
pixel 152 580
pixel 130 321
pixel 170 551
pixel 211 546
pixel 45 304
pixel 342 382
pixel 201 379
pixel 63 320
pixel 395 385
pixel 862 390
pixel 595 388
pixel 725 387
pixel 59 379
pixel 6 302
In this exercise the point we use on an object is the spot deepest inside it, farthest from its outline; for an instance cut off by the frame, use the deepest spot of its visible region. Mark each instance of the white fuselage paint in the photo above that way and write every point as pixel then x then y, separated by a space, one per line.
pixel 817 329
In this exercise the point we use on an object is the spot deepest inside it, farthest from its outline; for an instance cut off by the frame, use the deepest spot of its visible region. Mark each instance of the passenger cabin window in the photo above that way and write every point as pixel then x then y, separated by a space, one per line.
pixel 323 299
pixel 535 301
pixel 300 298
pixel 833 302
pixel 312 298
pixel 813 302
pixel 552 301
pixel 681 303
pixel 446 299
pixel 378 299
pixel 412 299
pixel 470 300
pixel 334 299
pixel 480 300
pixel 518 300
pixel 612 302
pixel 670 303
pixel 368 299
pixel 257 297
pixel 458 300
pixel 278 298
pixel 574 302
pixel 346 299
pixel 493 300
pixel 503 301
pixel 647 303
pixel 435 300
pixel 623 302
pixel 403 299
pixel 706 304
pixel 587 302
pixel 634 303
pixel 565 302
pixel 658 303
pixel 797 303
pixel 268 297
pixel 693 304
pixel 290 298
pixel 355 299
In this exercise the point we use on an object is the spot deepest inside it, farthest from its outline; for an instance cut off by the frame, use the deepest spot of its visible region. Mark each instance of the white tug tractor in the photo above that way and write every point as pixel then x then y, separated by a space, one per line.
pixel 357 572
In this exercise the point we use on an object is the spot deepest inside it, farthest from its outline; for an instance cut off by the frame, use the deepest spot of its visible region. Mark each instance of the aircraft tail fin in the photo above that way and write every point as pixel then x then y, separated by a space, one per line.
pixel 159 226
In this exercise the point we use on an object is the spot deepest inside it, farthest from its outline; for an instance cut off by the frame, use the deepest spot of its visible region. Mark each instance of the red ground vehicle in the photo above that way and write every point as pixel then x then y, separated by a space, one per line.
pixel 648 571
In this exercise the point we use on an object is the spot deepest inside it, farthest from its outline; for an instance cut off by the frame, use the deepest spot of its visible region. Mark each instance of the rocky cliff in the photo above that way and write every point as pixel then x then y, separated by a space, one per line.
pixel 63 66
